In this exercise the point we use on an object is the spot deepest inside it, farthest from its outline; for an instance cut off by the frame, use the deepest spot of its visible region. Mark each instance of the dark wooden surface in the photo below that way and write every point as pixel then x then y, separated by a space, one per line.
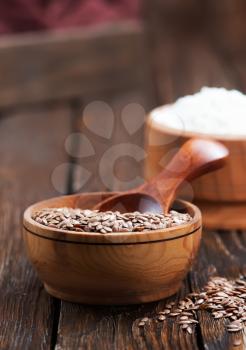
pixel 27 312
pixel 50 66
pixel 32 144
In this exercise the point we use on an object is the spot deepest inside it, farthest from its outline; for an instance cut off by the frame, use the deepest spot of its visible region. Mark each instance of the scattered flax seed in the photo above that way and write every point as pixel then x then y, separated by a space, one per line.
pixel 182 318
pixel 143 322
pixel 189 330
pixel 237 342
pixel 173 314
pixel 223 298
pixel 161 318
pixel 167 311
pixel 106 222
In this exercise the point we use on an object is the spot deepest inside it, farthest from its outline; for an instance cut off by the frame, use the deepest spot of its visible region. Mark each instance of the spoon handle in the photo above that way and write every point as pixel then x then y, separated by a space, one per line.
pixel 195 158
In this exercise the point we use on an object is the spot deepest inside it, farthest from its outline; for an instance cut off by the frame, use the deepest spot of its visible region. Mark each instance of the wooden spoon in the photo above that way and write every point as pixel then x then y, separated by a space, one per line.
pixel 195 158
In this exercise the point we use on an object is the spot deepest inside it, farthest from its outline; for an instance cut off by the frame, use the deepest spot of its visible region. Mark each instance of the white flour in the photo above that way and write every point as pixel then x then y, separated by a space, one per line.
pixel 213 111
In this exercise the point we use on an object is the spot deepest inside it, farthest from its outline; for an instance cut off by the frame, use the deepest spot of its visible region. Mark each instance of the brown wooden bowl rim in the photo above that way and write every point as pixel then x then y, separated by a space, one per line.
pixel 188 134
pixel 175 232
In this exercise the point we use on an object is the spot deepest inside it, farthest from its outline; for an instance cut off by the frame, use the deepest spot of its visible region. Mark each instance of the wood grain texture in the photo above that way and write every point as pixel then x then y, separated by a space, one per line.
pixel 177 71
pixel 63 65
pixel 226 26
pixel 87 327
pixel 226 216
pixel 116 268
pixel 201 55
pixel 193 159
pixel 184 60
pixel 230 247
pixel 28 156
pixel 225 185
pixel 116 327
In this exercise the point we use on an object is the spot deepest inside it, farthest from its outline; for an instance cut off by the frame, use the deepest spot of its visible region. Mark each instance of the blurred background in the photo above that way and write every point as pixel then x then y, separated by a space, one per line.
pixel 79 76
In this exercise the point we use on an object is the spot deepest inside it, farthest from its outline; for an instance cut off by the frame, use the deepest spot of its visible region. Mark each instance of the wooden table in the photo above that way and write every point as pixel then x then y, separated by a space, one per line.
pixel 31 146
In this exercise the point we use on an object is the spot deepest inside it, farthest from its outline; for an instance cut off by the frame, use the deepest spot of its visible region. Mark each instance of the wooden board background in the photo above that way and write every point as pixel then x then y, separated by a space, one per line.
pixel 32 145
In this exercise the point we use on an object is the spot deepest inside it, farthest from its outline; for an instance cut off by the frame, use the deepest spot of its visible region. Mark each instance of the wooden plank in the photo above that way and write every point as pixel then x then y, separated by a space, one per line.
pixel 184 54
pixel 31 146
pixel 180 73
pixel 108 328
pixel 57 65
pixel 89 327
pixel 222 254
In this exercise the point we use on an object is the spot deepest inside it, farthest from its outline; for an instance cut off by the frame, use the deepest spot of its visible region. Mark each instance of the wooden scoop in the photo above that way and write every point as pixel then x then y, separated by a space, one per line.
pixel 195 158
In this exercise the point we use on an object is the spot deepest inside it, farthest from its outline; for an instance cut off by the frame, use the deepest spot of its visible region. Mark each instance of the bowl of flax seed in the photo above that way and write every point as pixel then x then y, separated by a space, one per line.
pixel 82 255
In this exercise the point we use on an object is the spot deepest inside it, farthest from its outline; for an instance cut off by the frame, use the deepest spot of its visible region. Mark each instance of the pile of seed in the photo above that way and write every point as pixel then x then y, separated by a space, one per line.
pixel 109 221
pixel 221 297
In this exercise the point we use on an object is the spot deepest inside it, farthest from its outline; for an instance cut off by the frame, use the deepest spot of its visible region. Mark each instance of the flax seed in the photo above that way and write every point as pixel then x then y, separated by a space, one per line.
pixel 106 222
pixel 223 298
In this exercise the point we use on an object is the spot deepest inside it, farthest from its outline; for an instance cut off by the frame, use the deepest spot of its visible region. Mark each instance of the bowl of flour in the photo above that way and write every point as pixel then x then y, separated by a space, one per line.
pixel 215 113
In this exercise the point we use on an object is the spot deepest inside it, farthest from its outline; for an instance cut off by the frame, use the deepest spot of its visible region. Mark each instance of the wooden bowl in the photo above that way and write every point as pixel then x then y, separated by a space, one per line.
pixel 113 268
pixel 225 185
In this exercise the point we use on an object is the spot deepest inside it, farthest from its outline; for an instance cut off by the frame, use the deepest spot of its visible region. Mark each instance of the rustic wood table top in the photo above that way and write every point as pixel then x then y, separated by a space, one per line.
pixel 31 147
